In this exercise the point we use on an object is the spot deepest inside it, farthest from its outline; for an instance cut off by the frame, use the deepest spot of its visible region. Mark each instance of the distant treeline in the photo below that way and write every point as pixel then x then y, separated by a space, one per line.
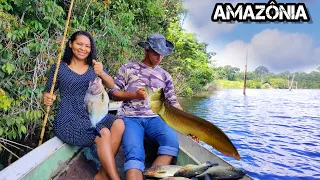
pixel 261 77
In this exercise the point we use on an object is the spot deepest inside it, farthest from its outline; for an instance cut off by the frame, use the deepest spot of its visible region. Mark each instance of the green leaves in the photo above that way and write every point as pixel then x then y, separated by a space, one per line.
pixel 23 129
pixel 26 50
pixel 5 101
pixel 1 131
pixel 192 59
pixel 8 68
pixel 33 115
pixel 13 128
pixel 9 35
pixel 5 5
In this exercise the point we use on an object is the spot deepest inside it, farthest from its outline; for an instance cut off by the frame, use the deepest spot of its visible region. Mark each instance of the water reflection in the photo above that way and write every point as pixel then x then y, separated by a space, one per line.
pixel 277 132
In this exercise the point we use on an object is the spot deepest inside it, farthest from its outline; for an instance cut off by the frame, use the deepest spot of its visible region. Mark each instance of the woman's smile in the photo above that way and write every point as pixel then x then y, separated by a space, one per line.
pixel 82 53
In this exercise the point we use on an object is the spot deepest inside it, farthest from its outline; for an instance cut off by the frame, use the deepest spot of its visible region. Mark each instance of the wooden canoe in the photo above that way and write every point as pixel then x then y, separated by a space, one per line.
pixel 57 160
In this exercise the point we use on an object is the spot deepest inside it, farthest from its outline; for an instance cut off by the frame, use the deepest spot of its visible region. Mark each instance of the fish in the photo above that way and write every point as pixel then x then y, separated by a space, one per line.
pixel 192 170
pixel 161 171
pixel 176 178
pixel 205 171
pixel 97 104
pixel 221 172
pixel 187 123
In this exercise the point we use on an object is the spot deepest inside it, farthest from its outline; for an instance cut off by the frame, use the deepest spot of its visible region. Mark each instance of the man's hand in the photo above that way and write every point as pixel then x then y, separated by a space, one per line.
pixel 193 137
pixel 47 99
pixel 97 67
pixel 141 94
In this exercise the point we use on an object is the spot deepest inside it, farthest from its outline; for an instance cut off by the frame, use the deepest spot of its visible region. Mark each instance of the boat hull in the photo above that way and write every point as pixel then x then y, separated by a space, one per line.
pixel 57 160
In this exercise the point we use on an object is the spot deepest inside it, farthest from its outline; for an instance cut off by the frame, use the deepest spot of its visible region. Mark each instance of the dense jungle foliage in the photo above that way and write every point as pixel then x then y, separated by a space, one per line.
pixel 30 36
pixel 261 77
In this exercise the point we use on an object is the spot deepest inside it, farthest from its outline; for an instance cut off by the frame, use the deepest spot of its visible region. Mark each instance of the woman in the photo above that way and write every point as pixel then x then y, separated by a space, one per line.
pixel 78 68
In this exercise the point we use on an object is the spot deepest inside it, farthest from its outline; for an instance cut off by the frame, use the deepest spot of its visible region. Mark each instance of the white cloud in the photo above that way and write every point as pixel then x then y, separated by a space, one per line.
pixel 278 51
pixel 199 19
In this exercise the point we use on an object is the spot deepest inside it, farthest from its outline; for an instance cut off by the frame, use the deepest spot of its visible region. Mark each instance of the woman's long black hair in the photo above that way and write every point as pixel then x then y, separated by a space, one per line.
pixel 68 51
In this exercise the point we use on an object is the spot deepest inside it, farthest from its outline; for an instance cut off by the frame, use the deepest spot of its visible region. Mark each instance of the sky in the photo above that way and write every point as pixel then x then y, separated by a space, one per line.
pixel 278 46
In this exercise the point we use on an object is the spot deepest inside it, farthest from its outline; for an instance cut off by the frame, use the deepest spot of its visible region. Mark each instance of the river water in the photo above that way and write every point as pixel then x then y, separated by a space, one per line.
pixel 276 132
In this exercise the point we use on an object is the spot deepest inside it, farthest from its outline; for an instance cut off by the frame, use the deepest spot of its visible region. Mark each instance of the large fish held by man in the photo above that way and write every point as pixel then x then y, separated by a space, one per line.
pixel 189 124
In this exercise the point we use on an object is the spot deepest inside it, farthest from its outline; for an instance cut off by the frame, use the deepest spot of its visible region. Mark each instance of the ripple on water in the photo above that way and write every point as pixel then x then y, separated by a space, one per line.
pixel 275 131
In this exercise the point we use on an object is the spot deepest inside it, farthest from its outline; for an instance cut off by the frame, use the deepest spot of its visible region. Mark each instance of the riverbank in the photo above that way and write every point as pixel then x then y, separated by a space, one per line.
pixel 226 84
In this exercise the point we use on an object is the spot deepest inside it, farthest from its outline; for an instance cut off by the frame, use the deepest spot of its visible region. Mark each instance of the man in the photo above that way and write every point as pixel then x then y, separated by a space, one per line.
pixel 139 119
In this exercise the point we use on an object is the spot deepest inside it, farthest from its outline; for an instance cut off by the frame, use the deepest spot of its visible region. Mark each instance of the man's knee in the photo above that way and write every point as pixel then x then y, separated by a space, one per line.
pixel 169 145
pixel 171 141
pixel 169 138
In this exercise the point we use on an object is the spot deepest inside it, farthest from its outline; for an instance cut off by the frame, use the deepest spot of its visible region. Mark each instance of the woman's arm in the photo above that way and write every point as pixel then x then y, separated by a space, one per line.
pixel 106 79
pixel 47 99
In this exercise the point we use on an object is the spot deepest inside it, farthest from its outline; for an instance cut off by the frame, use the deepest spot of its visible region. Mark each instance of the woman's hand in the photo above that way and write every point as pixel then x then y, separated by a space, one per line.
pixel 97 67
pixel 47 99
pixel 106 79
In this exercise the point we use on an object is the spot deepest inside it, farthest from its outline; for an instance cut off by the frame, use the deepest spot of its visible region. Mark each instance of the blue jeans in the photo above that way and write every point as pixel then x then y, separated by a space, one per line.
pixel 154 129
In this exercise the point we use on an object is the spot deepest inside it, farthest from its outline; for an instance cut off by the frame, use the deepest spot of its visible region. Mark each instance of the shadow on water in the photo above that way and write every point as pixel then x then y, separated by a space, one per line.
pixel 275 131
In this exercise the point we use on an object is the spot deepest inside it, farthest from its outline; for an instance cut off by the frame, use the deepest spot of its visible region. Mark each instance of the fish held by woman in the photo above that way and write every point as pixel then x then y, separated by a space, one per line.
pixel 97 104
pixel 187 123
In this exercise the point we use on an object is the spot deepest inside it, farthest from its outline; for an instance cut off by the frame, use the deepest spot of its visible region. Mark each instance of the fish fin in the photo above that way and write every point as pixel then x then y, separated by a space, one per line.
pixel 210 164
